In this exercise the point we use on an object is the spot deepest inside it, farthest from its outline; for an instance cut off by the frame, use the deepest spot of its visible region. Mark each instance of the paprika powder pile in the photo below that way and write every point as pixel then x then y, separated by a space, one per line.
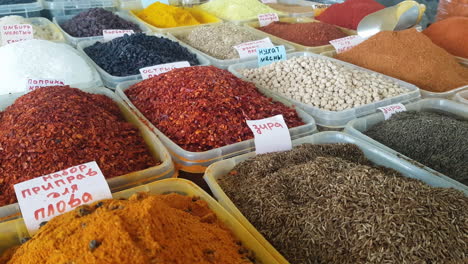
pixel 410 56
pixel 349 13
pixel 308 34
pixel 54 128
pixel 141 230
pixel 450 34
pixel 203 107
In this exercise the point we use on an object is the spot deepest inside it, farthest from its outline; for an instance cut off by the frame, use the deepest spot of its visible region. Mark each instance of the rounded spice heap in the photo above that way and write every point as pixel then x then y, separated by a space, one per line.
pixel 54 128
pixel 202 108
pixel 329 204
pixel 409 56
pixel 141 230
pixel 233 10
pixel 436 140
pixel 46 32
pixel 323 83
pixel 92 22
pixel 308 34
pixel 124 56
pixel 349 13
pixel 450 34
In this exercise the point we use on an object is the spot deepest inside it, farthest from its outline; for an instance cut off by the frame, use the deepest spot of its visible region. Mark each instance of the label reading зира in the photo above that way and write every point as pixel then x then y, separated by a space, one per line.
pixel 16 32
pixel 249 49
pixel 270 134
pixel 390 110
pixel 267 56
pixel 346 43
pixel 152 71
pixel 266 19
pixel 110 34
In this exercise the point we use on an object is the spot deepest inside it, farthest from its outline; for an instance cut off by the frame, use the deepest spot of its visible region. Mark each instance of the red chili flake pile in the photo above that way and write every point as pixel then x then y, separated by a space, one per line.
pixel 203 107
pixel 54 128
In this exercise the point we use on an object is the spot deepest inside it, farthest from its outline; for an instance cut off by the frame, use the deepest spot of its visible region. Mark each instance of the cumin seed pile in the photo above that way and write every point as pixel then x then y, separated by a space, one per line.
pixel 328 204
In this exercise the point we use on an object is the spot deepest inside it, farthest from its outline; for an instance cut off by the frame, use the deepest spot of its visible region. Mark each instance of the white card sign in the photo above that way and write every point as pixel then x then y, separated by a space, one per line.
pixel 249 49
pixel 152 71
pixel 390 110
pixel 110 34
pixel 16 32
pixel 266 19
pixel 40 199
pixel 271 134
pixel 33 84
pixel 346 43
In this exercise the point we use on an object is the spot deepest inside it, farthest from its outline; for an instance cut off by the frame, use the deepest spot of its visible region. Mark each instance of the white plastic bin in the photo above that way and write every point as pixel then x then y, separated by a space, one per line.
pixel 53 8
pixel 337 119
pixel 300 3
pixel 111 81
pixel 32 9
pixel 359 126
pixel 44 22
pixel 197 162
pixel 462 97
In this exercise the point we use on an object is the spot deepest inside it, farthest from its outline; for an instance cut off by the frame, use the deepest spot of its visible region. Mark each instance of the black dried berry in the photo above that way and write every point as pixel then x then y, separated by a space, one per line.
pixel 93 244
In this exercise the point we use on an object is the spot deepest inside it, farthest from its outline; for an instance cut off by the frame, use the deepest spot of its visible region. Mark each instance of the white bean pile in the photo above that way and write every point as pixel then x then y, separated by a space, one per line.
pixel 323 83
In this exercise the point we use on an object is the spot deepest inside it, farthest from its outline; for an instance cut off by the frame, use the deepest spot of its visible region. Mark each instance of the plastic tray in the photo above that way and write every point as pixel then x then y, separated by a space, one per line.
pixel 358 126
pixel 299 47
pixel 197 162
pixel 32 9
pixel 75 40
pixel 73 7
pixel 462 61
pixel 337 119
pixel 111 81
pixel 158 151
pixel 223 64
pixel 11 232
pixel 44 22
pixel 374 154
pixel 297 2
pixel 462 97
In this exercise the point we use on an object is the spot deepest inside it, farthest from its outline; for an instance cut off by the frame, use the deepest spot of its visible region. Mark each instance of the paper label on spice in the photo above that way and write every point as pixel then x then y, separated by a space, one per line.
pixel 249 49
pixel 267 56
pixel 320 6
pixel 16 32
pixel 152 71
pixel 271 134
pixel 110 34
pixel 33 84
pixel 146 3
pixel 40 199
pixel 266 19
pixel 346 43
pixel 390 110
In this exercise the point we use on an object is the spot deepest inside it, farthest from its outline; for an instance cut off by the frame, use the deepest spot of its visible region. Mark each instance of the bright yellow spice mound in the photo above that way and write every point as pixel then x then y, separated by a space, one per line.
pixel 144 229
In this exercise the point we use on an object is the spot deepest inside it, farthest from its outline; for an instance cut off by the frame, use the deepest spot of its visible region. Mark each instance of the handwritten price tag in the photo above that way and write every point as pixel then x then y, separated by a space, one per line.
pixel 266 19
pixel 152 71
pixel 110 34
pixel 271 134
pixel 33 84
pixel 390 110
pixel 346 43
pixel 42 198
pixel 270 55
pixel 249 49
pixel 16 33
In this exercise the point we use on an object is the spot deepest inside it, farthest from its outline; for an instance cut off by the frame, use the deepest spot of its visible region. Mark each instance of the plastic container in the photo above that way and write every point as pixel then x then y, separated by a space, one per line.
pixel 11 232
pixel 359 126
pixel 32 9
pixel 318 49
pixel 223 64
pixel 374 154
pixel 337 119
pixel 165 170
pixel 462 61
pixel 299 3
pixel 75 40
pixel 44 22
pixel 111 81
pixel 55 8
pixel 462 97
pixel 197 162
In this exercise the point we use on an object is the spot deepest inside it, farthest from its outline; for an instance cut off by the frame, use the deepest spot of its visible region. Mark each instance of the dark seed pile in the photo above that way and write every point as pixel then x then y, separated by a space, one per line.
pixel 328 204
pixel 433 139
pixel 126 55
pixel 92 22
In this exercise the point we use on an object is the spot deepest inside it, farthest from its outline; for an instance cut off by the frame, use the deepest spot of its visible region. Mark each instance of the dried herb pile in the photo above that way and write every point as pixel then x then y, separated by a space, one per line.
pixel 436 140
pixel 328 204
pixel 202 108
pixel 144 229
pixel 54 128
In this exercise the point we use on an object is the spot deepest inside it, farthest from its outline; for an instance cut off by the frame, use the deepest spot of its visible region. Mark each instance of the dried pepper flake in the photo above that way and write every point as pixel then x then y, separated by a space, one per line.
pixel 54 128
pixel 203 107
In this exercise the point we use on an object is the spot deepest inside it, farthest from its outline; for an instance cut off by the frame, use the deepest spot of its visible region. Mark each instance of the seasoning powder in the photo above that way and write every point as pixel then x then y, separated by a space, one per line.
pixel 202 108
pixel 235 10
pixel 141 230
pixel 54 128
pixel 329 204
pixel 450 34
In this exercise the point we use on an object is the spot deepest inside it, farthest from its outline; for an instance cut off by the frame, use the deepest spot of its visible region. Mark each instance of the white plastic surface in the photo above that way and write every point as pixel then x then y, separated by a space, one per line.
pixel 32 9
pixel 196 162
pixel 111 81
pixel 72 7
pixel 462 97
pixel 357 127
pixel 297 2
pixel 337 119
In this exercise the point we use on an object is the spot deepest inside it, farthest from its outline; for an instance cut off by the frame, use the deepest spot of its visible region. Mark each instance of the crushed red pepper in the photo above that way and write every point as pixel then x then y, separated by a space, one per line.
pixel 54 128
pixel 203 107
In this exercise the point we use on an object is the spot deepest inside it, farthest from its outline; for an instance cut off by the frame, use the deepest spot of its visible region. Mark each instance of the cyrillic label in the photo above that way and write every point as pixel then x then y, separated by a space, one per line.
pixel 271 134
pixel 16 33
pixel 110 34
pixel 266 19
pixel 346 43
pixel 390 110
pixel 249 49
pixel 152 71
pixel 269 55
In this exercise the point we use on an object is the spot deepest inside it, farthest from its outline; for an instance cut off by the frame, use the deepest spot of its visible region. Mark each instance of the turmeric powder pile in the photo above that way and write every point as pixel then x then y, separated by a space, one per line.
pixel 144 229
